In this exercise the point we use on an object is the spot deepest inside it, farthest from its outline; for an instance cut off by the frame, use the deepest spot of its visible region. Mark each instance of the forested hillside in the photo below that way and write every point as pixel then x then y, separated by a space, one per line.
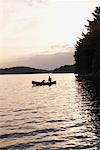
pixel 21 70
pixel 87 54
pixel 65 69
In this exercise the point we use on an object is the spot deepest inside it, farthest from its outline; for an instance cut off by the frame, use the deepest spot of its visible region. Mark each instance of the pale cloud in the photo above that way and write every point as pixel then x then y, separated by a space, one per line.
pixel 62 48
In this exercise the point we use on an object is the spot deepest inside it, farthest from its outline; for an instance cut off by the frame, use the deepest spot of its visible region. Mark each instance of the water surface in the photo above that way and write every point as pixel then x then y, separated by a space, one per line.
pixel 62 116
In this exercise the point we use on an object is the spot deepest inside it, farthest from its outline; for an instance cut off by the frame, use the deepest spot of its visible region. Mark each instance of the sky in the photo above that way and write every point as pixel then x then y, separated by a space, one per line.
pixel 41 33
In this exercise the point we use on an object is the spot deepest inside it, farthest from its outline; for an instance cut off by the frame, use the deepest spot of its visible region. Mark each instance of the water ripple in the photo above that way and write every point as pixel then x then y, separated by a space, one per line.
pixel 19 135
pixel 61 117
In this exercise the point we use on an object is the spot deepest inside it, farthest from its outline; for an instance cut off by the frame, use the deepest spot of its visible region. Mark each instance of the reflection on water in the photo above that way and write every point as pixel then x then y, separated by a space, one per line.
pixel 63 116
pixel 89 88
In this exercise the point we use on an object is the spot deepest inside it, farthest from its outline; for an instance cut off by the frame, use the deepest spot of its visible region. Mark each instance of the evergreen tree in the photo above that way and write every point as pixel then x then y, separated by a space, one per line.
pixel 87 54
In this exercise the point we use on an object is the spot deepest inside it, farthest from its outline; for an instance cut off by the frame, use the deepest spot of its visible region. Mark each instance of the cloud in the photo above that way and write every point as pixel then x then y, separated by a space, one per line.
pixel 32 2
pixel 47 61
pixel 61 47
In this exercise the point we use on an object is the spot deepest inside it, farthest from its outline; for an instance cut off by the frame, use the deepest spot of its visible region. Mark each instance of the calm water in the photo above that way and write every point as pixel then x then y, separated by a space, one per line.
pixel 63 116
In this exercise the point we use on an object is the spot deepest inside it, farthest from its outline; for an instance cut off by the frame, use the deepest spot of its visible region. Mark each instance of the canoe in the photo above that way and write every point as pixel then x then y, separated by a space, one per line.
pixel 36 83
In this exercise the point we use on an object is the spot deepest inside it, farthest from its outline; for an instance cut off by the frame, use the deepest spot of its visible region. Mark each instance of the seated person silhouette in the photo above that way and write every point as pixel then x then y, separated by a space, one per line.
pixel 43 81
pixel 49 79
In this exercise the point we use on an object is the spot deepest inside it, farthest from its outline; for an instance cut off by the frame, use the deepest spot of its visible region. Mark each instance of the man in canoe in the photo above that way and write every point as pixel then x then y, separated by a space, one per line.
pixel 49 79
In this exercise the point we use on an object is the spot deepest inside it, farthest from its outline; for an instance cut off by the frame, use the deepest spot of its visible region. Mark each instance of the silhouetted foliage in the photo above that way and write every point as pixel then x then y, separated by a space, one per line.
pixel 21 70
pixel 28 70
pixel 65 69
pixel 87 54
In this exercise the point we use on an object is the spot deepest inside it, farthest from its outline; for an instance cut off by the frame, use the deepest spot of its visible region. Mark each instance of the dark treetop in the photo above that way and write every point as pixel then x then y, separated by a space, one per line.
pixel 87 54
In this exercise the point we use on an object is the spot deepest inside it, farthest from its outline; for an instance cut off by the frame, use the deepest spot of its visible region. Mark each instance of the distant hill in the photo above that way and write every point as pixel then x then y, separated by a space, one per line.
pixel 21 70
pixel 65 69
pixel 28 70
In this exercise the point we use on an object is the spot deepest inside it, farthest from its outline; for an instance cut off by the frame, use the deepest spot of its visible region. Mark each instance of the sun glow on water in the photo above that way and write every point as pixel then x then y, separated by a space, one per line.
pixel 56 117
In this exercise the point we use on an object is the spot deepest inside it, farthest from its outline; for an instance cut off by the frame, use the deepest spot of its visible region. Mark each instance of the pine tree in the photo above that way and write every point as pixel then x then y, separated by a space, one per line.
pixel 87 54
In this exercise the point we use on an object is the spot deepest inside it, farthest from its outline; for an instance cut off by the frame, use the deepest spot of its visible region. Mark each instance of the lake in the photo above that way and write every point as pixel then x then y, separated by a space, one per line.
pixel 62 116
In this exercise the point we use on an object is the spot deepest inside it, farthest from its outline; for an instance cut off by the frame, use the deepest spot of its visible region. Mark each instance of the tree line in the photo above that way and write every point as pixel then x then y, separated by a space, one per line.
pixel 87 54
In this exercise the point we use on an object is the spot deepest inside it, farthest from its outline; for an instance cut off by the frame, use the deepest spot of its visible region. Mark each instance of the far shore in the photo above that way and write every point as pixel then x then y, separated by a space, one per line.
pixel 29 70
